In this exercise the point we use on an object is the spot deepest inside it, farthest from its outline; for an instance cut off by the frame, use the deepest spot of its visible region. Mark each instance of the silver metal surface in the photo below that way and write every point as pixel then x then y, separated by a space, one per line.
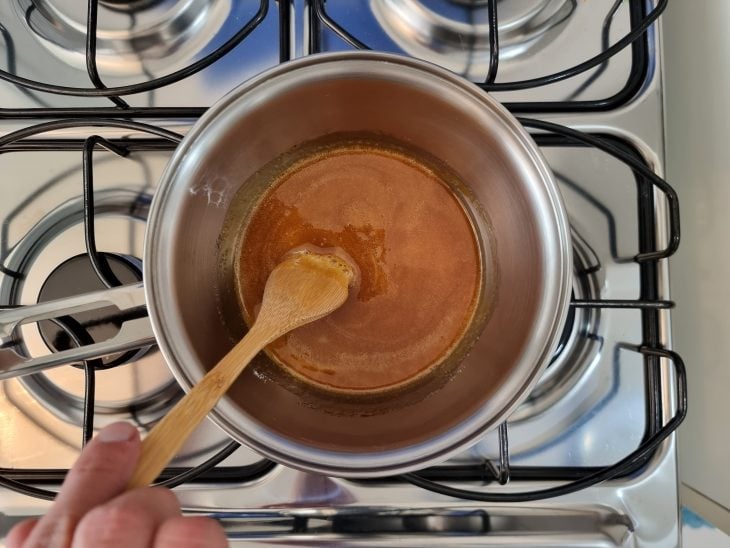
pixel 428 108
pixel 127 39
pixel 598 418
pixel 464 525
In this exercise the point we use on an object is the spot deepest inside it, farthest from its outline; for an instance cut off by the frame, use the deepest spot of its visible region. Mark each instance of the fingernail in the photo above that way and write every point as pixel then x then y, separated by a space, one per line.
pixel 117 432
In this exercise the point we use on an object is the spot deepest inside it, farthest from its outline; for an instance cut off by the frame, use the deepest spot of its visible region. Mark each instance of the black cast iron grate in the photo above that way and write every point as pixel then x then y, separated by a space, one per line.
pixel 637 39
pixel 115 94
pixel 578 477
pixel 547 134
pixel 320 20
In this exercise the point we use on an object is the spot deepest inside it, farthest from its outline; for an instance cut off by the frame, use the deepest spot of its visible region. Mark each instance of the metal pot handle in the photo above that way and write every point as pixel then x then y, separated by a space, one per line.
pixel 135 331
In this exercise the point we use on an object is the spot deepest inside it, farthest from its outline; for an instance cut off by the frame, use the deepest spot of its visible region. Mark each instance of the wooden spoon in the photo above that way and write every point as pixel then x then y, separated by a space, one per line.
pixel 303 288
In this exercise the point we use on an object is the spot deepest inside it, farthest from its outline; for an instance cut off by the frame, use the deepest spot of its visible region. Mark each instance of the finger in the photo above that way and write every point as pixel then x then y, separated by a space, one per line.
pixel 129 520
pixel 190 532
pixel 19 533
pixel 100 473
pixel 103 469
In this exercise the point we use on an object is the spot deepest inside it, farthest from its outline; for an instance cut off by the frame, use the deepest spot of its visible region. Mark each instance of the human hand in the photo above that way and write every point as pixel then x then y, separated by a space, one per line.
pixel 93 509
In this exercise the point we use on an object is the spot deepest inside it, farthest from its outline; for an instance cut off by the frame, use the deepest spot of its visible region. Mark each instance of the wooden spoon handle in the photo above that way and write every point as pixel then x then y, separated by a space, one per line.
pixel 168 435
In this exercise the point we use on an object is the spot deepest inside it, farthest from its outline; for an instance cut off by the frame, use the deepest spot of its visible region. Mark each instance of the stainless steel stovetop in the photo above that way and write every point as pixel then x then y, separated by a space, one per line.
pixel 599 401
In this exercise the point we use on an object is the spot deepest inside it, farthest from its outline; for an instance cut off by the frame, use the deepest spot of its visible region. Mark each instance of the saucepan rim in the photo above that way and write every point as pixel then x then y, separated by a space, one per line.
pixel 535 356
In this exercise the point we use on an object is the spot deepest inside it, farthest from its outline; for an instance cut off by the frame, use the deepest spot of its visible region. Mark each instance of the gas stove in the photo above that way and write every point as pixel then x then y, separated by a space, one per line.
pixel 94 98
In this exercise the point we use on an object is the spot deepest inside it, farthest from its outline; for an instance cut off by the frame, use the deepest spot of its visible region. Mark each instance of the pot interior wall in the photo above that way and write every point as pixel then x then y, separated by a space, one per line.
pixel 458 131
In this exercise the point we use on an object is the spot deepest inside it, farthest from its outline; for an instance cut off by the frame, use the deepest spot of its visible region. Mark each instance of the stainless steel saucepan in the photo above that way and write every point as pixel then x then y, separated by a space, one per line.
pixel 523 229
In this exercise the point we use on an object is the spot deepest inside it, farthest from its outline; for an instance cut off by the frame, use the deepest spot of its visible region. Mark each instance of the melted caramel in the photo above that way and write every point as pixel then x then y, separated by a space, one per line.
pixel 412 242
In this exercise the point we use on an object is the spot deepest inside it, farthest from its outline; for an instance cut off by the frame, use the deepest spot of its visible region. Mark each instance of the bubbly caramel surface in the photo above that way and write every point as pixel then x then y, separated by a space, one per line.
pixel 415 248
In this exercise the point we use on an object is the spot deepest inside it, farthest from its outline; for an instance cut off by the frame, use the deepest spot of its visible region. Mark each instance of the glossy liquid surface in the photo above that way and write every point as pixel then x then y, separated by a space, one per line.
pixel 414 246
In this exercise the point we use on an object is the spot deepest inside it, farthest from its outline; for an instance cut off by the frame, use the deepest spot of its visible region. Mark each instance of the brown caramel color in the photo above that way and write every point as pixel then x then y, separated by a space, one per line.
pixel 415 249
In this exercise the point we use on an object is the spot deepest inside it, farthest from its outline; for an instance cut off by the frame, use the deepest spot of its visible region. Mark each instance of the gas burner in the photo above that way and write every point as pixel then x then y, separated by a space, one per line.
pixel 53 263
pixel 579 344
pixel 455 33
pixel 74 277
pixel 130 34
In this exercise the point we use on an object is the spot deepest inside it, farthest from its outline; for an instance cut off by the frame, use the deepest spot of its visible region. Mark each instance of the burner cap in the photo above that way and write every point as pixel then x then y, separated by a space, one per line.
pixel 455 33
pixel 74 277
pixel 130 34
